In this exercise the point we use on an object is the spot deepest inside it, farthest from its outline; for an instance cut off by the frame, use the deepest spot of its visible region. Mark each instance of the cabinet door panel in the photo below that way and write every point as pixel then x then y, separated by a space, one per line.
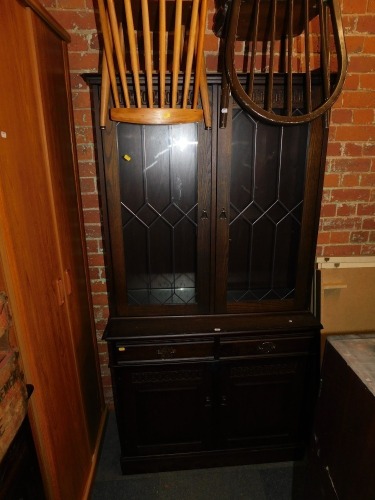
pixel 245 243
pixel 160 223
pixel 66 214
pixel 163 409
pixel 29 251
pixel 261 243
pixel 30 244
pixel 262 402
pixel 159 217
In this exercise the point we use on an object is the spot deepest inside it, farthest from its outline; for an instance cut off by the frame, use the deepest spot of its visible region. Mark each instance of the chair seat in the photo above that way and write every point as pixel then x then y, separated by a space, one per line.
pixel 156 116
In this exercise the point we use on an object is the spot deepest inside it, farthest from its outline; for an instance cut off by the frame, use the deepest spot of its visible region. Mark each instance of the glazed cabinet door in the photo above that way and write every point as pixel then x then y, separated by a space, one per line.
pixel 163 409
pixel 268 186
pixel 158 200
pixel 220 221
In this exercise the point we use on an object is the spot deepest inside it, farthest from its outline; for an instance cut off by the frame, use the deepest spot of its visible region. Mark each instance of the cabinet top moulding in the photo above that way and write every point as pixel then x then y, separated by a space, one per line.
pixel 46 16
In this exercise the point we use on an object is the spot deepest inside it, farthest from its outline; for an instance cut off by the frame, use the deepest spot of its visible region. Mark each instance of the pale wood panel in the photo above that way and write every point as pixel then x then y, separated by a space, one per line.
pixel 348 300
pixel 156 116
pixel 63 178
pixel 32 258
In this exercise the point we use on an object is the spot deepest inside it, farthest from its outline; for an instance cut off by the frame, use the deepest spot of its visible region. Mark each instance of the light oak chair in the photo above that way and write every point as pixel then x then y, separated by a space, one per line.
pixel 156 45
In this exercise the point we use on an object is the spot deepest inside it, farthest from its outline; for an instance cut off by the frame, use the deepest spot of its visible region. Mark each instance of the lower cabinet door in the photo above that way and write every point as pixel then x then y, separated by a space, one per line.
pixel 188 414
pixel 163 409
pixel 264 403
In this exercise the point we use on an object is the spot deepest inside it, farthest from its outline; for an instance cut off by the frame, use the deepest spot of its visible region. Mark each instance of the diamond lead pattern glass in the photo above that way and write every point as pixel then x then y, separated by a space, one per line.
pixel 158 191
pixel 266 202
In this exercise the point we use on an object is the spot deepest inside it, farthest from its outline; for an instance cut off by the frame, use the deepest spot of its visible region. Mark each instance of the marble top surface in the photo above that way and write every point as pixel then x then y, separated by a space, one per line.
pixel 359 353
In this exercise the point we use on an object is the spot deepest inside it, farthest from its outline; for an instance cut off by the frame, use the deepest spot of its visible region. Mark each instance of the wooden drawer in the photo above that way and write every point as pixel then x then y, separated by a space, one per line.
pixel 234 348
pixel 125 352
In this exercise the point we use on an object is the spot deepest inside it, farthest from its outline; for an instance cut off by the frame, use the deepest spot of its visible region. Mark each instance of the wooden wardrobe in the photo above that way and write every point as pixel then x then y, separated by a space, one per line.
pixel 42 250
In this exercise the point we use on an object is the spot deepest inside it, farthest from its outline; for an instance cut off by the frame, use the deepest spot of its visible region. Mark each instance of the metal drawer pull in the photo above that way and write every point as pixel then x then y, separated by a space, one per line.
pixel 266 347
pixel 166 352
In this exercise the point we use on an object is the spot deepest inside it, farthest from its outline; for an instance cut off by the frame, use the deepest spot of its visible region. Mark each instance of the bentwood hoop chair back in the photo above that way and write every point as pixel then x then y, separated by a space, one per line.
pixel 287 42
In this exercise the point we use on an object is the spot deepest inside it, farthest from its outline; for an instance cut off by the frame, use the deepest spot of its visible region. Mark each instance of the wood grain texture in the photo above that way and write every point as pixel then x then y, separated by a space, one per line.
pixel 339 461
pixel 40 240
pixel 148 55
pixel 217 165
pixel 133 50
pixel 156 116
pixel 66 200
pixel 200 45
pixel 149 30
pixel 162 50
pixel 104 93
pixel 190 51
pixel 40 11
pixel 118 49
pixel 176 51
pixel 108 46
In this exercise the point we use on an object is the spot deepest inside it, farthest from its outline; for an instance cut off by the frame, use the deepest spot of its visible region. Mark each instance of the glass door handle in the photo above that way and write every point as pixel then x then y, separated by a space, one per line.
pixel 223 214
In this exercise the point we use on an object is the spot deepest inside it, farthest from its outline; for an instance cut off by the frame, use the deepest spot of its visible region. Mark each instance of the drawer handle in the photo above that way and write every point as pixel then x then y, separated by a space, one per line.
pixel 60 292
pixel 68 282
pixel 166 352
pixel 266 347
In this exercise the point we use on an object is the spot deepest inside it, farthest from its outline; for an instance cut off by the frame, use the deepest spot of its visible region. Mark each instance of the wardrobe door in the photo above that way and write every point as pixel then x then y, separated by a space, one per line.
pixel 30 252
pixel 63 176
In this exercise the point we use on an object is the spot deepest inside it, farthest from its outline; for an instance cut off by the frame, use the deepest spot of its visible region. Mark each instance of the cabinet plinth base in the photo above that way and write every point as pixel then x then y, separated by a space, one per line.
pixel 204 460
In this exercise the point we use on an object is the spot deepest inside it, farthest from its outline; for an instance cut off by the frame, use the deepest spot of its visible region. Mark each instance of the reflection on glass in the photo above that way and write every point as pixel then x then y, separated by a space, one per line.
pixel 266 200
pixel 158 191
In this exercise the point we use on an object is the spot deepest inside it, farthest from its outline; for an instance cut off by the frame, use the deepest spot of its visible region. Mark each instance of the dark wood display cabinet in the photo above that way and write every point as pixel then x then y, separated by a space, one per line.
pixel 210 244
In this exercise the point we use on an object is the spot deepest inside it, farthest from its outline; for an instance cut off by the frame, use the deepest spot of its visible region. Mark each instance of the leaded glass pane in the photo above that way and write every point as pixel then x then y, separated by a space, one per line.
pixel 158 192
pixel 266 201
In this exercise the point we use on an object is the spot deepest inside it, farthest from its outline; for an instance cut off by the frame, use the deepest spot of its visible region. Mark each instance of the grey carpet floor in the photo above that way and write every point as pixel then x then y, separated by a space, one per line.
pixel 279 481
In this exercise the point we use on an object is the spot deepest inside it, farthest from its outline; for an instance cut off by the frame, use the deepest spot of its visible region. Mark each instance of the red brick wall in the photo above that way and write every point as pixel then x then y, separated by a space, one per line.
pixel 348 211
